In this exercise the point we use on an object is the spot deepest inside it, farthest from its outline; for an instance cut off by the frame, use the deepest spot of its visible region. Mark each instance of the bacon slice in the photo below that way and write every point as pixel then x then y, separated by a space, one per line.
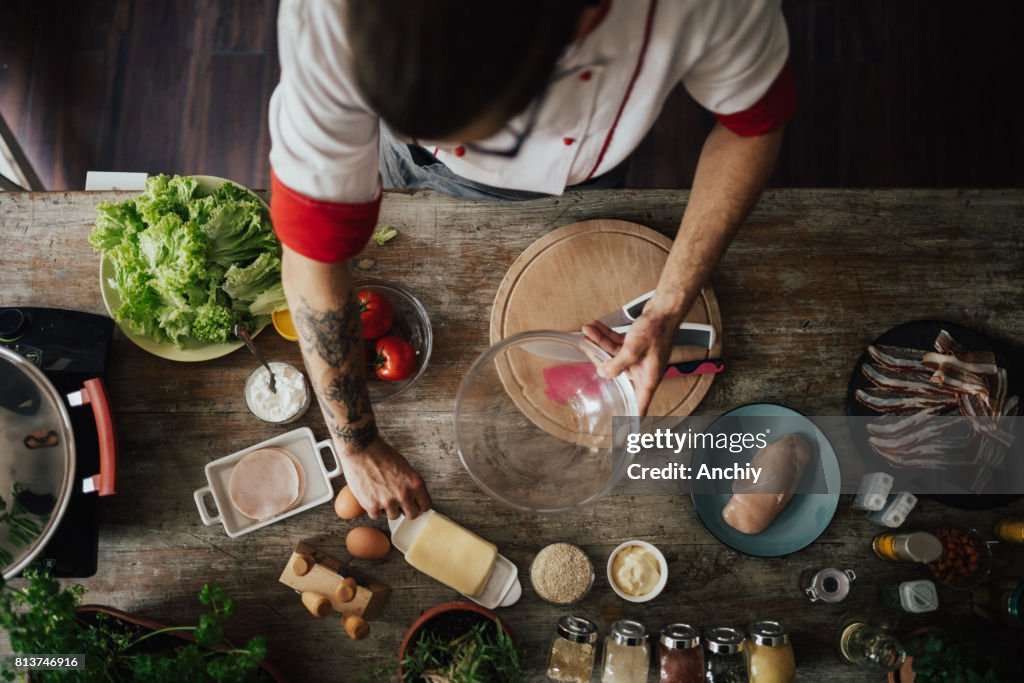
pixel 914 387
pixel 961 382
pixel 893 425
pixel 992 452
pixel 933 454
pixel 935 427
pixel 945 343
pixel 945 361
pixel 984 421
pixel 902 402
pixel 897 357
pixel 910 381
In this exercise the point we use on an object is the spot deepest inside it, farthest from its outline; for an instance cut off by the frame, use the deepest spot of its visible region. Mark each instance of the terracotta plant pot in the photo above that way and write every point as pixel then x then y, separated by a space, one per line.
pixel 150 625
pixel 905 674
pixel 448 617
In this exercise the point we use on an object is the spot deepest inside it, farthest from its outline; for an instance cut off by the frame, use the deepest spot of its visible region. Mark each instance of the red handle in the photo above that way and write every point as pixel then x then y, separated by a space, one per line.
pixel 95 394
pixel 705 368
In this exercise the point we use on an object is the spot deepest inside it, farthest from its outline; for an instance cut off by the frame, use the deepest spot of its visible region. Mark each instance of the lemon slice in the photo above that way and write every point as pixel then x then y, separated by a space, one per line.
pixel 284 325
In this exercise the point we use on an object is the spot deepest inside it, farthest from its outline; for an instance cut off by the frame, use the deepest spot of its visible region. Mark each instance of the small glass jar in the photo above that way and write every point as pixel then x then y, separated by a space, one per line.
pixel 770 654
pixel 1010 530
pixel 572 650
pixel 870 647
pixel 917 546
pixel 725 660
pixel 681 659
pixel 627 653
pixel 827 584
pixel 1001 600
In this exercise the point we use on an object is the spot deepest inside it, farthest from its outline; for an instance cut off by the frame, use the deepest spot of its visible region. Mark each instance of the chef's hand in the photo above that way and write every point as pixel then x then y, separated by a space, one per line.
pixel 383 481
pixel 642 353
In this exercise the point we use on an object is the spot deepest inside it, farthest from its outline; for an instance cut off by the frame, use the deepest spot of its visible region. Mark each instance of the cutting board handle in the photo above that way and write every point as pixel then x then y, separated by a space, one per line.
pixel 200 496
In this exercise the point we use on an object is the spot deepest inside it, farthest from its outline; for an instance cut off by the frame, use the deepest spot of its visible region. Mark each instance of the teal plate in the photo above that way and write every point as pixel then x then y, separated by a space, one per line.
pixel 805 517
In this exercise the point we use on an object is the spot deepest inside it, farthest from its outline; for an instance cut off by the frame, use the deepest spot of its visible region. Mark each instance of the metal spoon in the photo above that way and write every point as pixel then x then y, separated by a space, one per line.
pixel 243 334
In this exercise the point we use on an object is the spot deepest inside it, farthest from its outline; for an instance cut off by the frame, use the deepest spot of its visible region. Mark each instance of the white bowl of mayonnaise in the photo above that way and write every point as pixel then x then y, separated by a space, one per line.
pixel 637 571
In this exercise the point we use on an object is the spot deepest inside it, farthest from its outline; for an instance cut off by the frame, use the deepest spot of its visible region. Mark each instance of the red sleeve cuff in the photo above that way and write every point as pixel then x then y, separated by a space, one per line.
pixel 323 231
pixel 772 111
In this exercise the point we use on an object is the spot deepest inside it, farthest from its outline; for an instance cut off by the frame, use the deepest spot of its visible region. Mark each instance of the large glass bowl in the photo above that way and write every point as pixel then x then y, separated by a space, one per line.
pixel 412 323
pixel 534 422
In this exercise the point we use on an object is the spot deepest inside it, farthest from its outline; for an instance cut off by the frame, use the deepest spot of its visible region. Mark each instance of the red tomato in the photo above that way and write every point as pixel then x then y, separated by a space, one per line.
pixel 396 359
pixel 375 313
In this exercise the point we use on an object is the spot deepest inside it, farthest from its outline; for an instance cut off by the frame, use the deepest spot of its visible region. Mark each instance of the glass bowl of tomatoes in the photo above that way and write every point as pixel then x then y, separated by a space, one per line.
pixel 538 429
pixel 397 337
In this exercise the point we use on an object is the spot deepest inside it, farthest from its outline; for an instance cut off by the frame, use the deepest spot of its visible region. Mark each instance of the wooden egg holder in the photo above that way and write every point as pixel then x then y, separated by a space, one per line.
pixel 328 584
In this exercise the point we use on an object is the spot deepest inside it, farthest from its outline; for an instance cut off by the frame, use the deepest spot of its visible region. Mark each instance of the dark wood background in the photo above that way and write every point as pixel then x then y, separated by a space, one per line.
pixel 893 93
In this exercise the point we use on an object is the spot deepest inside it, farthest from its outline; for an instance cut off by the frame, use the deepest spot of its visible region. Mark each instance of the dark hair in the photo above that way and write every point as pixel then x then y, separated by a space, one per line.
pixel 432 67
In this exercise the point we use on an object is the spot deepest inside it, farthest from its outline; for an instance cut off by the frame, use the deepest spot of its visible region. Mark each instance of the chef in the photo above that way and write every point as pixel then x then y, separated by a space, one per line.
pixel 506 100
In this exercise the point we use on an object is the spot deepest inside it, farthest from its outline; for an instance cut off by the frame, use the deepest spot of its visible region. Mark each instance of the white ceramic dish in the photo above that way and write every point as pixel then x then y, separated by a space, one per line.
pixel 662 566
pixel 300 443
pixel 503 588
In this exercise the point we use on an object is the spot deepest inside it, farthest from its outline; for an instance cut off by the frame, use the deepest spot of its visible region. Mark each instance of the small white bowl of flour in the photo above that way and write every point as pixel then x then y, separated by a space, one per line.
pixel 287 404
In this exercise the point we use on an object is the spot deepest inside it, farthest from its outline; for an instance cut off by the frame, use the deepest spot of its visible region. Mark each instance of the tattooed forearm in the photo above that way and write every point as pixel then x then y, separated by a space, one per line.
pixel 359 437
pixel 333 334
pixel 332 343
pixel 349 391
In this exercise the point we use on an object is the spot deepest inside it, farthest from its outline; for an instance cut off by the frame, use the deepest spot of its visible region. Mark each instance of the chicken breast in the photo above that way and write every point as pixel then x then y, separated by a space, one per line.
pixel 266 483
pixel 753 507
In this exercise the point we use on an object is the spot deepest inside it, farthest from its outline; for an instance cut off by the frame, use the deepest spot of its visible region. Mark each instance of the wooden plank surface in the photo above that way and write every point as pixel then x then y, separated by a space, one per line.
pixel 813 277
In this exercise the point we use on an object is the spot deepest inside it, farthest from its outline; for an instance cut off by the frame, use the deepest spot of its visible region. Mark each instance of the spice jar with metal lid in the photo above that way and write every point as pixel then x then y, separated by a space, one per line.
pixel 1010 530
pixel 626 653
pixel 725 661
pixel 829 585
pixel 572 650
pixel 1001 600
pixel 769 653
pixel 918 546
pixel 870 647
pixel 680 656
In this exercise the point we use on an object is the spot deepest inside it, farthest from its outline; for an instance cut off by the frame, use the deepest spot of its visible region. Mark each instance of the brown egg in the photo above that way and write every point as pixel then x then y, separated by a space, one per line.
pixel 367 543
pixel 346 504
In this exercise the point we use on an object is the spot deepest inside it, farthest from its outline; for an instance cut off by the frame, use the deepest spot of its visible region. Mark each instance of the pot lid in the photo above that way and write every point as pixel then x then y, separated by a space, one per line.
pixel 37 458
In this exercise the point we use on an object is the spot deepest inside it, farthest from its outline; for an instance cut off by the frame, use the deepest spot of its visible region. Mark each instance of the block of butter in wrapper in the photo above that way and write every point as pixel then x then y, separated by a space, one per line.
pixel 453 555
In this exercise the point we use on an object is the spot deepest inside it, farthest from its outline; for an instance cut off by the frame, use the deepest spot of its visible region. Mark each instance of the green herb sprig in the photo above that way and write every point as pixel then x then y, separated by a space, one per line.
pixel 42 617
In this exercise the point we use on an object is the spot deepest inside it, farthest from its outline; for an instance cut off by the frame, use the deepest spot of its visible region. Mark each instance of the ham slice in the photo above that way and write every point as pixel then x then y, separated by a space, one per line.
pixel 266 483
pixel 753 507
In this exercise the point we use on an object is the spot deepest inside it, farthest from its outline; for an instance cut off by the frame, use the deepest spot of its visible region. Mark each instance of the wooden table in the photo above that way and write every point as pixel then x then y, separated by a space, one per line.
pixel 813 277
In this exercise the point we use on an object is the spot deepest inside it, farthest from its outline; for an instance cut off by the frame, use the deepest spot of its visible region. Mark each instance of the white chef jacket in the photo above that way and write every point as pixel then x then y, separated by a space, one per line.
pixel 608 90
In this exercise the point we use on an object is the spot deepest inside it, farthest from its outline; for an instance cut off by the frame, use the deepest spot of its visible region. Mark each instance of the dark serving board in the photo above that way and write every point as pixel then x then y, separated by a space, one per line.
pixel 921 334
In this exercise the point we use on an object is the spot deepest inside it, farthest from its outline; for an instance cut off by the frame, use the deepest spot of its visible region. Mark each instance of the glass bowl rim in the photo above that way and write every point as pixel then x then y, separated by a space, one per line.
pixel 592 351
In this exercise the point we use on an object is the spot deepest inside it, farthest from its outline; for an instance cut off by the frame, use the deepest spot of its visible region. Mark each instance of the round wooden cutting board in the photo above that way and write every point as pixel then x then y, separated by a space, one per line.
pixel 583 271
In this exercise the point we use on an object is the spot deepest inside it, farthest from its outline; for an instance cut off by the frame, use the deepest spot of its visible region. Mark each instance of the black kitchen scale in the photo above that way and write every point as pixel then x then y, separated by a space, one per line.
pixel 69 347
